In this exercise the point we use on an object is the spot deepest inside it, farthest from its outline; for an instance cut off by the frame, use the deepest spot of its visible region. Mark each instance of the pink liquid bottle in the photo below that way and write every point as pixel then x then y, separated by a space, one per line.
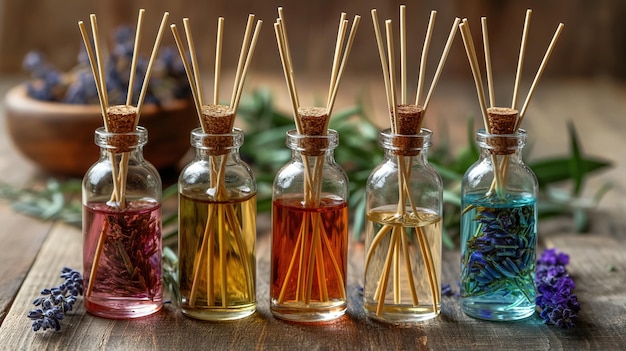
pixel 121 198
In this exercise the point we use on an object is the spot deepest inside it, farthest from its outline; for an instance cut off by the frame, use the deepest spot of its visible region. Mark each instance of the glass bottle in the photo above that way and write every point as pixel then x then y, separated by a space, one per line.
pixel 309 232
pixel 217 230
pixel 122 229
pixel 403 232
pixel 499 231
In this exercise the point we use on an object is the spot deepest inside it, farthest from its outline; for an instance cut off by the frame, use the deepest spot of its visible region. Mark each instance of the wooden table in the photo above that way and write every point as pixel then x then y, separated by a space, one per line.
pixel 33 253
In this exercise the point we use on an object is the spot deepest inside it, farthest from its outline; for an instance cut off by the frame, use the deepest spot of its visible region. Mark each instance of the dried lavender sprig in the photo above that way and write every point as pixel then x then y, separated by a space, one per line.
pixel 56 301
pixel 556 302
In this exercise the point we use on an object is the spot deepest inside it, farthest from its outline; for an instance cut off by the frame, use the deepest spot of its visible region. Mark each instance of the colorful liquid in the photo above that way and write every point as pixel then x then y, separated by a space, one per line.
pixel 217 259
pixel 498 255
pixel 403 265
pixel 122 259
pixel 309 259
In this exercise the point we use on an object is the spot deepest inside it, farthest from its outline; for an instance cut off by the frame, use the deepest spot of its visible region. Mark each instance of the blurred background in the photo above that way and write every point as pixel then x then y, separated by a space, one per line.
pixel 593 43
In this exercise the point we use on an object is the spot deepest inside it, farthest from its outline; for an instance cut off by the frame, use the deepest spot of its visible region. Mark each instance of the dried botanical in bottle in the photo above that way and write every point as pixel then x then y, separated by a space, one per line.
pixel 122 235
pixel 499 226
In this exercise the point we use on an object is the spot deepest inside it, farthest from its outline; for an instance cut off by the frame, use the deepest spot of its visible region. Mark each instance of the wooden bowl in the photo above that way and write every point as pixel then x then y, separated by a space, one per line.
pixel 60 137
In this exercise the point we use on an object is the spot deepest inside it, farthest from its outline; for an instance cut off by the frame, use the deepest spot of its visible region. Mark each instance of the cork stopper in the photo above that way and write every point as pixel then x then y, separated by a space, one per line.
pixel 121 120
pixel 218 119
pixel 409 122
pixel 313 122
pixel 502 121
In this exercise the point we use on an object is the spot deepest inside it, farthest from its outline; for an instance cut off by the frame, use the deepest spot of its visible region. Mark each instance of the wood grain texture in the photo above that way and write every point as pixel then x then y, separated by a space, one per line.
pixel 601 293
pixel 21 239
pixel 28 264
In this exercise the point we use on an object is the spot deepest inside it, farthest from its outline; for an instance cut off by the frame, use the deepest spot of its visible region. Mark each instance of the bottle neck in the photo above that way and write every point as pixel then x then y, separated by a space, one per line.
pixel 507 146
pixel 414 146
pixel 210 145
pixel 312 145
pixel 117 144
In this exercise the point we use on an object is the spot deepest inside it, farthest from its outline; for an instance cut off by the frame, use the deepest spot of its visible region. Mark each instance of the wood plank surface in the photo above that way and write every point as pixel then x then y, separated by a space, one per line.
pixel 600 291
pixel 34 252
pixel 21 239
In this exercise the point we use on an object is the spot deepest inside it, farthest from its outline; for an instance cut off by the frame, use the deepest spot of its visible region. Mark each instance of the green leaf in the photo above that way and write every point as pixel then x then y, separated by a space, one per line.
pixel 576 163
pixel 553 170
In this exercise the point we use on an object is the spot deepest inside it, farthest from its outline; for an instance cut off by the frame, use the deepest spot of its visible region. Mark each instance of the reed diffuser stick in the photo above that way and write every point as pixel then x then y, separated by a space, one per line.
pixel 490 87
pixel 442 62
pixel 239 84
pixel 542 66
pixel 218 60
pixel 194 62
pixel 242 55
pixel 342 66
pixel 123 175
pixel 133 63
pixel 392 71
pixel 403 55
pixel 188 71
pixel 385 67
pixel 149 68
pixel 341 32
pixel 283 27
pixel 129 94
pixel 99 61
pixel 287 70
pixel 473 60
pixel 425 48
pixel 94 71
pixel 520 59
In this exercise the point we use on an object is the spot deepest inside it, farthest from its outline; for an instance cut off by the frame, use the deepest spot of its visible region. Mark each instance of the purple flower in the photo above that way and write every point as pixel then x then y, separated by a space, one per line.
pixel 557 303
pixel 56 301
pixel 551 257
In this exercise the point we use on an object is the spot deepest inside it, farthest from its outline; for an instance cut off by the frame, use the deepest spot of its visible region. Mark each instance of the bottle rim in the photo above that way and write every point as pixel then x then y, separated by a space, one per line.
pixel 405 142
pixel 501 143
pixel 312 143
pixel 121 141
pixel 206 141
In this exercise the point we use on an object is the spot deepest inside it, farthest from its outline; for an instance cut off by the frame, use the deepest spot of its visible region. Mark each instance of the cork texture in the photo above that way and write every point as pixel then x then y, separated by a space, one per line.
pixel 313 122
pixel 121 120
pixel 217 120
pixel 409 123
pixel 502 121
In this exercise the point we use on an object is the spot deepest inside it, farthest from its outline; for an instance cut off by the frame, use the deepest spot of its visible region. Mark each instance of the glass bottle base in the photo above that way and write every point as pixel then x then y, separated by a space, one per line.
pixel 122 308
pixel 401 313
pixel 496 310
pixel 219 314
pixel 313 312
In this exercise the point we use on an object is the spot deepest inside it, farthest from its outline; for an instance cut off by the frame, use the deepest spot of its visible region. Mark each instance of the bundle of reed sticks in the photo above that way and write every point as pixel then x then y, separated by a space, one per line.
pixel 405 119
pixel 502 120
pixel 216 119
pixel 117 119
pixel 313 121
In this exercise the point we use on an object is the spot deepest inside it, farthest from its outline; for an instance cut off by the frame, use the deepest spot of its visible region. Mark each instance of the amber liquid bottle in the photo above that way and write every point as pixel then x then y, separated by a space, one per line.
pixel 309 232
